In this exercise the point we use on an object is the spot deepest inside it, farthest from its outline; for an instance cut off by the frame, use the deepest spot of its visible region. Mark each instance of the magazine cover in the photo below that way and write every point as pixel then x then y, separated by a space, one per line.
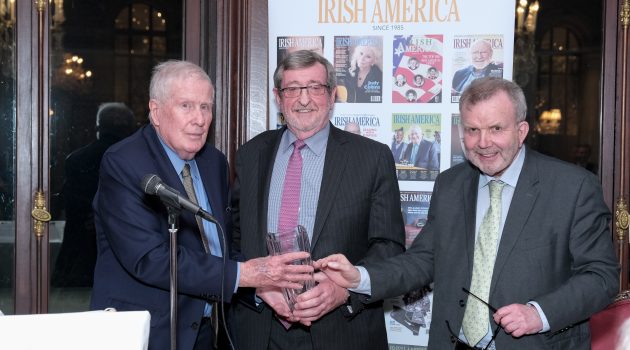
pixel 457 141
pixel 475 56
pixel 408 318
pixel 419 158
pixel 417 69
pixel 363 124
pixel 288 44
pixel 359 68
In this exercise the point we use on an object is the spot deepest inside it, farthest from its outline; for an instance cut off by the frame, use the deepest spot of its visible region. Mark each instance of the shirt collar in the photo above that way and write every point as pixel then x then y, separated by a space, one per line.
pixel 511 174
pixel 177 162
pixel 316 143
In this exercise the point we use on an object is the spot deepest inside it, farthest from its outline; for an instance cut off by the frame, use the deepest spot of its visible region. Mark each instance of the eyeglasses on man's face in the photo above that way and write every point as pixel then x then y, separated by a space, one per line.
pixel 462 345
pixel 313 90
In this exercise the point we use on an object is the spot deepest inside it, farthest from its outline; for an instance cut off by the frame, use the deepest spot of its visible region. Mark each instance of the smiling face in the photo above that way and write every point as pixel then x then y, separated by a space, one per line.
pixel 492 137
pixel 305 114
pixel 481 54
pixel 415 136
pixel 183 118
pixel 413 63
pixel 365 56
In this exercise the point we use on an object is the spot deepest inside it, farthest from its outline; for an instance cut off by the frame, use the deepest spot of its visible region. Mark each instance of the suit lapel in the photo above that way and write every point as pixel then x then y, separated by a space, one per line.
pixel 525 195
pixel 334 168
pixel 266 159
pixel 470 191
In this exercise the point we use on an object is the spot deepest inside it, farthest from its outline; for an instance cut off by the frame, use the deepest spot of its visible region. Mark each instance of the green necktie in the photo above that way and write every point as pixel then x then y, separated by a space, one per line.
pixel 477 314
pixel 190 191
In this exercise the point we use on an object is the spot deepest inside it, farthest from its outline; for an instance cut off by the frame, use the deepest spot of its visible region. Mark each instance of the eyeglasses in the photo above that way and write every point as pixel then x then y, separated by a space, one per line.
pixel 313 90
pixel 460 344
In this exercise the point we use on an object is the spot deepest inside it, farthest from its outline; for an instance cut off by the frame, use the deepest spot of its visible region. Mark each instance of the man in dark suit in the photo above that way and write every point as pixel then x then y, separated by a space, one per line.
pixel 420 152
pixel 132 267
pixel 349 202
pixel 551 261
pixel 75 263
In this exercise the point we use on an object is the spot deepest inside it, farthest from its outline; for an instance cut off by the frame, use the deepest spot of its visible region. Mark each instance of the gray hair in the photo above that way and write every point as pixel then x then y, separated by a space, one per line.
pixel 416 129
pixel 483 89
pixel 165 73
pixel 304 59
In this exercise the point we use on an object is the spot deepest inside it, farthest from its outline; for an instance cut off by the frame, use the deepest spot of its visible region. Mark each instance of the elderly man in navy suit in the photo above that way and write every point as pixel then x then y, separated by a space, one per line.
pixel 132 266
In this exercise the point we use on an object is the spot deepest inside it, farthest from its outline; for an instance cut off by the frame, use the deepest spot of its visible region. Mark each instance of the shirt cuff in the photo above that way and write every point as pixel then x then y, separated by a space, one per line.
pixel 545 322
pixel 238 276
pixel 365 285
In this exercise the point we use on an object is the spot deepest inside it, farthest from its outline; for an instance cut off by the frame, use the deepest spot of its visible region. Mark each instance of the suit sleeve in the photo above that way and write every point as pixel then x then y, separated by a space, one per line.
pixel 594 277
pixel 386 230
pixel 135 227
pixel 408 271
pixel 386 233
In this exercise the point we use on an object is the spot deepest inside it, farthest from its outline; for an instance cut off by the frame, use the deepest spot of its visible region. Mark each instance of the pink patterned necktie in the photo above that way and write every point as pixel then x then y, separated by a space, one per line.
pixel 290 205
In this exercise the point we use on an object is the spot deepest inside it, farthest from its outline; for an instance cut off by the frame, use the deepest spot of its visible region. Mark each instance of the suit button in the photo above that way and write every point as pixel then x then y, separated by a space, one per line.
pixel 462 303
pixel 194 326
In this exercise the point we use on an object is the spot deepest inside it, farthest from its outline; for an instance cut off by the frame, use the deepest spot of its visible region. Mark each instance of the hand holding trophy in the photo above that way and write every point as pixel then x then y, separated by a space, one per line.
pixel 295 240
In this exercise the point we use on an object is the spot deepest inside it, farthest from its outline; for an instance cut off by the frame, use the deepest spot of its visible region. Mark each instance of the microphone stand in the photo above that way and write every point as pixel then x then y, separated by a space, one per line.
pixel 173 227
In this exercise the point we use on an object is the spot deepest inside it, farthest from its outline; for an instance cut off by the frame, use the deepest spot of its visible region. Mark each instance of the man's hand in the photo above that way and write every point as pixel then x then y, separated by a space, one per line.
pixel 518 319
pixel 320 300
pixel 339 270
pixel 275 299
pixel 275 271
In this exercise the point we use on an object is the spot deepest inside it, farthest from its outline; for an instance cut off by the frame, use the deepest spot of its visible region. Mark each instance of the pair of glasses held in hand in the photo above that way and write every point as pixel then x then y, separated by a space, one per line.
pixel 462 345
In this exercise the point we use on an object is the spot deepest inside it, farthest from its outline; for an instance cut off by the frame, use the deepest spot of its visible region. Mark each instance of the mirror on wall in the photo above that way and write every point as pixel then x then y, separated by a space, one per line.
pixel 99 55
pixel 7 153
pixel 558 63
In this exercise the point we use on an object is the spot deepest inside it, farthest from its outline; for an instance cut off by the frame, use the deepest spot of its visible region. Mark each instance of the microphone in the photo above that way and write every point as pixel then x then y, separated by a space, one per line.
pixel 153 185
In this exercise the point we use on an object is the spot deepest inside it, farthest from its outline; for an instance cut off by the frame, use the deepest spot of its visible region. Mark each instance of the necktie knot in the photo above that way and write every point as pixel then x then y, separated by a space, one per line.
pixel 298 145
pixel 496 187
pixel 186 170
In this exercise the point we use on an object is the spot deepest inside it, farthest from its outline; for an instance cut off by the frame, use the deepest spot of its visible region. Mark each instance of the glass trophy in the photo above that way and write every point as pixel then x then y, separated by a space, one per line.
pixel 286 242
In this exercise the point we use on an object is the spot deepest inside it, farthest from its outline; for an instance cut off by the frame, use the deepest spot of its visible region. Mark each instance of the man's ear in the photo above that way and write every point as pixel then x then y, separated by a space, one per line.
pixel 153 111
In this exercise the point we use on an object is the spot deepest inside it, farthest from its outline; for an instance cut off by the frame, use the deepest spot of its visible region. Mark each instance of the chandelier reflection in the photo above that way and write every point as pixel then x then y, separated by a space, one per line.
pixel 549 122
pixel 7 38
pixel 71 73
pixel 524 43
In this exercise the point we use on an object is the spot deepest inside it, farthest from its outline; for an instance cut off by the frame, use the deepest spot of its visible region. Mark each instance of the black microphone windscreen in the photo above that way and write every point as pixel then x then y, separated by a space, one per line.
pixel 150 183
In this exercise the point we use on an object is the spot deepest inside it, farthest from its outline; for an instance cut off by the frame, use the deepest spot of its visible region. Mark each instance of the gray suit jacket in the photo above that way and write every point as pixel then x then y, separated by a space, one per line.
pixel 555 249
pixel 358 214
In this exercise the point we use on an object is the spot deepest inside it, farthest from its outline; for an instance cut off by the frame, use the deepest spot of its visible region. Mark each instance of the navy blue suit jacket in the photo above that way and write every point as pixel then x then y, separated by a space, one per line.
pixel 132 268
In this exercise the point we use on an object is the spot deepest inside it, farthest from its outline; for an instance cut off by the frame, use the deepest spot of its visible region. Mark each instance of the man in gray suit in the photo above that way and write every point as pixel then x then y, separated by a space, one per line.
pixel 552 263
pixel 349 202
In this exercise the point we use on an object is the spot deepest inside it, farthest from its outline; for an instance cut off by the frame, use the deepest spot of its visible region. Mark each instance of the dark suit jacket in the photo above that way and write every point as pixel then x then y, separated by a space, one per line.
pixel 555 249
pixel 358 214
pixel 427 157
pixel 132 267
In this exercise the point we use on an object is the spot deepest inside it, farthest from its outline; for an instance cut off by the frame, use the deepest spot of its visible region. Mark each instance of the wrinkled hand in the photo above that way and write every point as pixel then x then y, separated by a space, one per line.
pixel 339 270
pixel 275 271
pixel 518 320
pixel 273 297
pixel 320 300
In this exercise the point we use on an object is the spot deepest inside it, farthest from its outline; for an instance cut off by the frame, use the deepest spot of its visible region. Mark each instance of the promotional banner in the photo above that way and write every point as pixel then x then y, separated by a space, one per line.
pixel 401 66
